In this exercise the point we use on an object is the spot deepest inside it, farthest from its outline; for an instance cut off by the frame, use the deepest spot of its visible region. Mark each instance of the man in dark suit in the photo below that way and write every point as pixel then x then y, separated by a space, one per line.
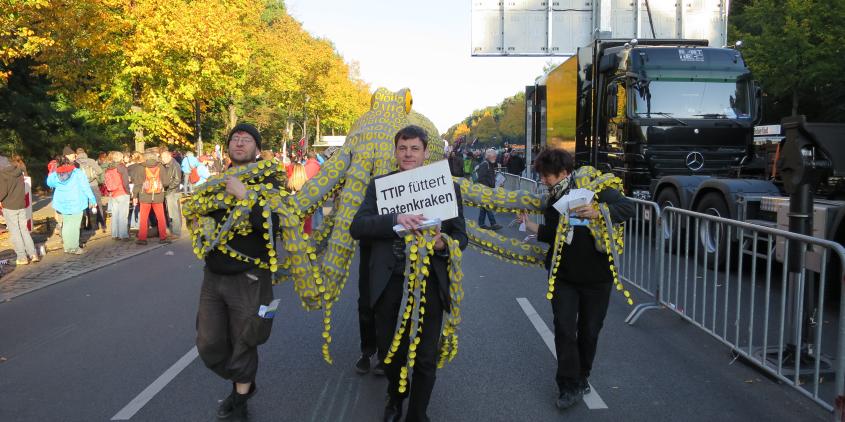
pixel 387 282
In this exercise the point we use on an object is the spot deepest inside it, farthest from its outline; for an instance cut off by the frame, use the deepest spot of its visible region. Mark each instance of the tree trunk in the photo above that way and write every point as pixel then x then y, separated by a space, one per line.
pixel 317 138
pixel 795 102
pixel 136 109
pixel 233 118
pixel 198 127
pixel 305 132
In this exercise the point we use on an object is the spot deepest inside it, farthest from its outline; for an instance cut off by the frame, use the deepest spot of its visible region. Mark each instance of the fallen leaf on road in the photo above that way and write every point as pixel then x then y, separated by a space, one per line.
pixel 169 253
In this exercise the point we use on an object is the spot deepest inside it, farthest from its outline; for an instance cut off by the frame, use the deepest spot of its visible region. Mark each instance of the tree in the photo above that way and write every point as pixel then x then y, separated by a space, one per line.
pixel 512 122
pixel 485 130
pixel 18 37
pixel 795 49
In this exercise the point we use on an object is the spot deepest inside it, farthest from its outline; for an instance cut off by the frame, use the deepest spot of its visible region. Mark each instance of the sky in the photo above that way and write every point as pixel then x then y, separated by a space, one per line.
pixel 423 45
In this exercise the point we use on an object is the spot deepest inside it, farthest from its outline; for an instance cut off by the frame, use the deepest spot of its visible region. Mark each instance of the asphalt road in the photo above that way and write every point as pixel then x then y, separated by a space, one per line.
pixel 82 350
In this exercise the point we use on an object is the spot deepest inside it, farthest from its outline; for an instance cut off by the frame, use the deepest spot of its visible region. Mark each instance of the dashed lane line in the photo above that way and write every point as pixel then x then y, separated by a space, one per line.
pixel 145 396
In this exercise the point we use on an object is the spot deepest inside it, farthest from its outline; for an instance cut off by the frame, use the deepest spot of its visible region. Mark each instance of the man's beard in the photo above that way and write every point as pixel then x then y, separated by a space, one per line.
pixel 236 162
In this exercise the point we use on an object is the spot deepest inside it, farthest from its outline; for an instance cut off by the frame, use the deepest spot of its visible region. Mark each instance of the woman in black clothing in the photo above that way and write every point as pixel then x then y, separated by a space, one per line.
pixel 583 280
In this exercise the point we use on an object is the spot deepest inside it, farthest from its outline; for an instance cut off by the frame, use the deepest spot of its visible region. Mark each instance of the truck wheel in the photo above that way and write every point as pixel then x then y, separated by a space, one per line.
pixel 669 198
pixel 712 236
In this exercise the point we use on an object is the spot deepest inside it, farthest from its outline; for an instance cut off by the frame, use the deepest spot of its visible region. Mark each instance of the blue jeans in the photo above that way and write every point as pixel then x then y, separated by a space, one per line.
pixel 174 212
pixel 490 216
pixel 19 234
pixel 119 207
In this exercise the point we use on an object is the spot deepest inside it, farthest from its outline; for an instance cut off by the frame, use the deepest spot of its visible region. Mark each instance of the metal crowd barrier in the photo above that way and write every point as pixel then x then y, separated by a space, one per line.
pixel 718 273
pixel 640 258
pixel 746 286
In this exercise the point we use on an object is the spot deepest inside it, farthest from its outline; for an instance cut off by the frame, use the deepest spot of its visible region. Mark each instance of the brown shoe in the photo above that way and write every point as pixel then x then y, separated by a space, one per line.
pixel 140 242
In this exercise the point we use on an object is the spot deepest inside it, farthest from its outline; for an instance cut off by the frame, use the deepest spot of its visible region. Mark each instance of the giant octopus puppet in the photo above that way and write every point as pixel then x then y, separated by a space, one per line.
pixel 318 264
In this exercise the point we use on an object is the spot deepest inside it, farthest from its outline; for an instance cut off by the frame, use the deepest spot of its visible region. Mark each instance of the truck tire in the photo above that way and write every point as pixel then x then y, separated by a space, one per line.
pixel 711 236
pixel 668 197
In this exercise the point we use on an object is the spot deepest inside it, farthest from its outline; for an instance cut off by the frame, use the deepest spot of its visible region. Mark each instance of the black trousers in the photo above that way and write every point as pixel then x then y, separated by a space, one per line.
pixel 366 314
pixel 423 374
pixel 579 311
pixel 229 329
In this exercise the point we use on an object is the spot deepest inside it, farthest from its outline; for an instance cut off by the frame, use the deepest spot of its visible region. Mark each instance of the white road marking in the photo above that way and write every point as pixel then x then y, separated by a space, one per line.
pixel 592 400
pixel 145 396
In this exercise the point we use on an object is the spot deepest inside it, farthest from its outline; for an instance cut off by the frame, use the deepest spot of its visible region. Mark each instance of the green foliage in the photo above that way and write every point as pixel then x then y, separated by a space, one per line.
pixel 495 125
pixel 794 48
pixel 37 124
pixel 139 69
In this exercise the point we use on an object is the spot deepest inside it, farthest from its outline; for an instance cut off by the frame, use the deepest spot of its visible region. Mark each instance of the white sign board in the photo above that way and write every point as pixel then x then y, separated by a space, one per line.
pixel 574 199
pixel 559 27
pixel 426 190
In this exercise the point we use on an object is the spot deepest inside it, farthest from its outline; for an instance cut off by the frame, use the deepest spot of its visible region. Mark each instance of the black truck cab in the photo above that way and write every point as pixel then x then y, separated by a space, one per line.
pixel 648 109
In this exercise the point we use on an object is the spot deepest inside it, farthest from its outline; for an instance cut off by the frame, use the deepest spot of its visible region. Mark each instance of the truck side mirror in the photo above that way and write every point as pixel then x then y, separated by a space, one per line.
pixel 758 103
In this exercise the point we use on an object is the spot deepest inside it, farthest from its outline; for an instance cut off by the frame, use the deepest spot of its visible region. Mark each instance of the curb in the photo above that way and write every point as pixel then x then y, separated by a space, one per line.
pixel 70 275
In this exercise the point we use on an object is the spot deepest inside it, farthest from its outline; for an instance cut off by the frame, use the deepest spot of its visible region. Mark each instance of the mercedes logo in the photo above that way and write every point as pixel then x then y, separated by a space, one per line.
pixel 695 161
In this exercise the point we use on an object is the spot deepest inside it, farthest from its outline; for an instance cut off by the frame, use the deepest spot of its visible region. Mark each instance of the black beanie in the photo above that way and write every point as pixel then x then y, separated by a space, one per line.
pixel 68 151
pixel 248 128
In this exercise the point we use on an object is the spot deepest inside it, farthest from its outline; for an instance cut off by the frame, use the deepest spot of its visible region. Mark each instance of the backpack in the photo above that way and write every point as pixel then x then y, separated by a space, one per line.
pixel 152 181
pixel 90 173
pixel 194 177
pixel 113 181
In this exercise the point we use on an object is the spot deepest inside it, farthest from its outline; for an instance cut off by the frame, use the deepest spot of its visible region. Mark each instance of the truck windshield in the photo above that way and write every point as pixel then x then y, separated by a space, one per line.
pixel 693 99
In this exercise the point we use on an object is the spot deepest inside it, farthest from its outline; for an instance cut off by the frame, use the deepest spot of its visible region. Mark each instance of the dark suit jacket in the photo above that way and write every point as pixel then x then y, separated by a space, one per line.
pixel 377 231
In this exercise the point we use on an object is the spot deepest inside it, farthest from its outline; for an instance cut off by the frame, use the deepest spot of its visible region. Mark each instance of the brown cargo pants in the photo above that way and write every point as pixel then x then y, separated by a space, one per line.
pixel 229 329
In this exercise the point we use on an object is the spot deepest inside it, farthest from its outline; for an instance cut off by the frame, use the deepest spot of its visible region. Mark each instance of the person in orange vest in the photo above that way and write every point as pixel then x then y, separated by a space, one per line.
pixel 149 192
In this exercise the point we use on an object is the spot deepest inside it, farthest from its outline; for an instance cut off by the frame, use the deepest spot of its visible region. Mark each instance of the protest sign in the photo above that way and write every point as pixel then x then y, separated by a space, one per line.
pixel 426 190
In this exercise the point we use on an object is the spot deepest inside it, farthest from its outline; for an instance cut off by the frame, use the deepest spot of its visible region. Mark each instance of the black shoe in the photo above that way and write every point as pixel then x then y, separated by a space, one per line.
pixel 495 227
pixel 484 226
pixel 584 386
pixel 393 410
pixel 362 366
pixel 379 369
pixel 568 398
pixel 224 410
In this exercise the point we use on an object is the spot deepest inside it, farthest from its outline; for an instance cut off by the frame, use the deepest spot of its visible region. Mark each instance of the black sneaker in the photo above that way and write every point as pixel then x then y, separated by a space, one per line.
pixel 495 227
pixel 568 398
pixel 362 366
pixel 484 226
pixel 379 369
pixel 584 386
pixel 227 405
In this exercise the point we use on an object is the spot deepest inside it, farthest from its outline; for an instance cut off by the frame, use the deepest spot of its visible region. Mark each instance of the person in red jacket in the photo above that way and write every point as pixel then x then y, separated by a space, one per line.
pixel 312 166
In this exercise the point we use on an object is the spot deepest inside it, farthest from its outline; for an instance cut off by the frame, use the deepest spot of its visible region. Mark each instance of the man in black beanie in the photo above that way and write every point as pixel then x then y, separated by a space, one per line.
pixel 229 328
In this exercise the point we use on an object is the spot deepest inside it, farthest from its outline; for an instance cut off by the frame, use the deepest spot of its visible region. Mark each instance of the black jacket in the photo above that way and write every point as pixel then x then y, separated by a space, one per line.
pixel 487 174
pixel 377 231
pixel 516 165
pixel 173 175
pixel 581 262
pixel 12 188
pixel 253 244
